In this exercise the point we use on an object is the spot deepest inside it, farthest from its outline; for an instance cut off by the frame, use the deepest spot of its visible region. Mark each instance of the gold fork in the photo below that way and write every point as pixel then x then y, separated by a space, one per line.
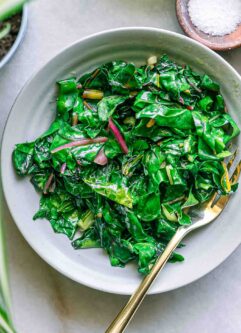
pixel 208 213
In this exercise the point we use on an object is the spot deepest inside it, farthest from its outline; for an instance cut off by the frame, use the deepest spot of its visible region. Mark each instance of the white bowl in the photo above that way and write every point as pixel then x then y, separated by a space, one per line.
pixel 32 114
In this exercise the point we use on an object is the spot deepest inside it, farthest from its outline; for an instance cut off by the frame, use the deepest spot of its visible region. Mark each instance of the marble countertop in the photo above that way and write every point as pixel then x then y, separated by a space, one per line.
pixel 44 300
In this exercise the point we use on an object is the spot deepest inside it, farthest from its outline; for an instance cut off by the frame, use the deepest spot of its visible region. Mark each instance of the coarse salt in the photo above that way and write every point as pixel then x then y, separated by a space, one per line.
pixel 215 17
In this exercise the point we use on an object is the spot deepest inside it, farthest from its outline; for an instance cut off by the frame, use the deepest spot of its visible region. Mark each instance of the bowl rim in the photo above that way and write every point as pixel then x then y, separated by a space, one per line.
pixel 19 39
pixel 48 259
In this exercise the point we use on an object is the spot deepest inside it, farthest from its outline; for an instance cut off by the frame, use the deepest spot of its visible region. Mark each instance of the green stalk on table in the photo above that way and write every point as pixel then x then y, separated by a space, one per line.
pixel 9 8
pixel 6 325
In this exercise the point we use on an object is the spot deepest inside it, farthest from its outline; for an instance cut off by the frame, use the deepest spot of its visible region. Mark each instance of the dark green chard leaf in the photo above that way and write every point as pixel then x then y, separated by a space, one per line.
pixel 68 93
pixel 140 145
pixel 191 200
pixel 149 207
pixel 88 117
pixel 23 157
pixel 130 165
pixel 86 220
pixel 112 148
pixel 42 153
pixel 235 131
pixel 146 252
pixel 108 105
pixel 209 84
pixel 56 125
pixel 133 225
pixel 59 208
pixel 116 192
pixel 174 83
pixel 124 76
pixel 88 240
pixel 154 133
pixel 205 103
pixel 164 116
pixel 166 229
pixel 40 179
pixel 143 99
pixel 131 151
pixel 112 218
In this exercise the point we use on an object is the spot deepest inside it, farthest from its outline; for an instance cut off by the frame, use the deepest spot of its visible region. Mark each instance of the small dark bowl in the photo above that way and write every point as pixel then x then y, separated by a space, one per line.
pixel 19 38
pixel 217 43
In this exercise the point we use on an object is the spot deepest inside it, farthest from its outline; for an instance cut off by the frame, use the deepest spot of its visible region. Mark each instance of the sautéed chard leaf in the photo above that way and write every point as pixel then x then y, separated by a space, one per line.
pixel 131 150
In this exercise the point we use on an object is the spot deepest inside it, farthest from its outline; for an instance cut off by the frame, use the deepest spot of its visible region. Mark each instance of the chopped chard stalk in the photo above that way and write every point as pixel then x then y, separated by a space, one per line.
pixel 93 94
pixel 74 119
pixel 118 136
pixel 89 107
pixel 63 168
pixel 83 142
pixel 152 61
pixel 48 183
pixel 181 100
pixel 150 123
pixel 101 158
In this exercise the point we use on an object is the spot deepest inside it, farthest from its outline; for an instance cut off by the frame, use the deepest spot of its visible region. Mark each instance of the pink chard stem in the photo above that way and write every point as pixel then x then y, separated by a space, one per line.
pixel 118 136
pixel 83 142
pixel 63 168
pixel 48 183
pixel 101 158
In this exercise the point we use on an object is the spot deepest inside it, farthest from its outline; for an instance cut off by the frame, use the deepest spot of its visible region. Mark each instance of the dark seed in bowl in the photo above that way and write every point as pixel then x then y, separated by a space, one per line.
pixel 7 41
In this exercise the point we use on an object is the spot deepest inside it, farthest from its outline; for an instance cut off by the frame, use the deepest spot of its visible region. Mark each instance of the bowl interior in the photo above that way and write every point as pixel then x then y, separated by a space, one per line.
pixel 32 114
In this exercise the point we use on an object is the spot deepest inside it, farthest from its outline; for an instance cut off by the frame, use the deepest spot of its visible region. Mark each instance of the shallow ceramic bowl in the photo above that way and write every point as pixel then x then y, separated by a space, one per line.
pixel 31 115
pixel 19 38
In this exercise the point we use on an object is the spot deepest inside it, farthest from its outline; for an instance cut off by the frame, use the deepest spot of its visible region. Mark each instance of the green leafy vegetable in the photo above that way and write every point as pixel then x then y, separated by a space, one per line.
pixel 131 150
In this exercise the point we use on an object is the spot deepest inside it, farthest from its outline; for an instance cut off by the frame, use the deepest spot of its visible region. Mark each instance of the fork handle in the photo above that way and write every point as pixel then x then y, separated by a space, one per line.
pixel 125 315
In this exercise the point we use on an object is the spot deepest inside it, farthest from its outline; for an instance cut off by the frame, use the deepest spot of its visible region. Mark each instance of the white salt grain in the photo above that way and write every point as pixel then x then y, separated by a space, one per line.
pixel 215 17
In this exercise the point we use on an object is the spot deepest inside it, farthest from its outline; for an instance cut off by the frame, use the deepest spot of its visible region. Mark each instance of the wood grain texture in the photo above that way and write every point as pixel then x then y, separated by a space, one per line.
pixel 217 43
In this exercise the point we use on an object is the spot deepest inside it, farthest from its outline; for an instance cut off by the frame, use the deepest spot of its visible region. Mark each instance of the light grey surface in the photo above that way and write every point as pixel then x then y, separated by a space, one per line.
pixel 45 301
